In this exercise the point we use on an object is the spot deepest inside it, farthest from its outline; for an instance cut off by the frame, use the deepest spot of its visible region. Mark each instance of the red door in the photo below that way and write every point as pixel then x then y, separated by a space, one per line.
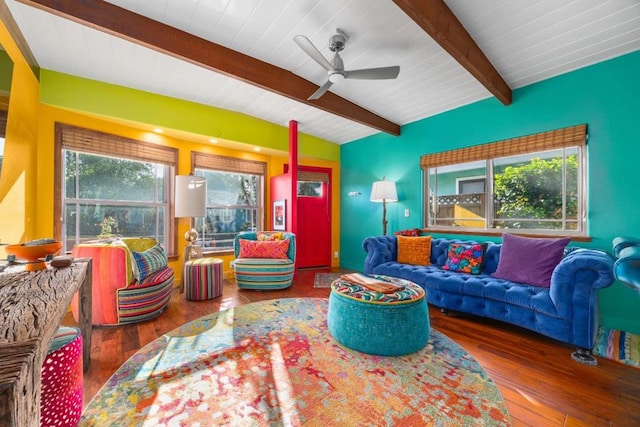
pixel 313 240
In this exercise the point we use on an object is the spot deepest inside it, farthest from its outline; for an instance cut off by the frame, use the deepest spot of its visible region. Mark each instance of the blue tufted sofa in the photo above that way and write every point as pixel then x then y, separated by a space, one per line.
pixel 567 311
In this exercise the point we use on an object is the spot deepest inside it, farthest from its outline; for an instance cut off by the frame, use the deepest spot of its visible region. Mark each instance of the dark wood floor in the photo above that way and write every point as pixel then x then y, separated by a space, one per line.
pixel 540 383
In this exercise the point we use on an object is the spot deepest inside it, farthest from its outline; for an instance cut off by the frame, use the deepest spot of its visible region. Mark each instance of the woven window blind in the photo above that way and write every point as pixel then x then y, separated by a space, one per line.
pixel 229 164
pixel 313 176
pixel 95 142
pixel 559 138
pixel 3 123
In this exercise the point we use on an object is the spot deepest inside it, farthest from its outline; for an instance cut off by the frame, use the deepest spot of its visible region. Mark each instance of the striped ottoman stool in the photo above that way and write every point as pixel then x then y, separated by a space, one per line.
pixel 61 392
pixel 385 324
pixel 202 278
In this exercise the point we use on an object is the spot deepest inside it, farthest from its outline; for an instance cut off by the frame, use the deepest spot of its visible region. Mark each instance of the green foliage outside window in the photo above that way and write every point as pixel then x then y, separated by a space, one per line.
pixel 534 191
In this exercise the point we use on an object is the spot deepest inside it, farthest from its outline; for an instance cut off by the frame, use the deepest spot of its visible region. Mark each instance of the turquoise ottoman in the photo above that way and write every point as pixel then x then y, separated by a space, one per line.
pixel 384 324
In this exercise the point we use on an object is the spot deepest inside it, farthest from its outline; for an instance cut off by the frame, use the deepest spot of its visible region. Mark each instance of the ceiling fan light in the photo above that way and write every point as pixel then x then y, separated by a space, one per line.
pixel 336 77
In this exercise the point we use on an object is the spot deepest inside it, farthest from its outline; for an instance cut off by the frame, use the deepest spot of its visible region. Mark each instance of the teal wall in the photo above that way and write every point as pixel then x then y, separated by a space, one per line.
pixel 606 96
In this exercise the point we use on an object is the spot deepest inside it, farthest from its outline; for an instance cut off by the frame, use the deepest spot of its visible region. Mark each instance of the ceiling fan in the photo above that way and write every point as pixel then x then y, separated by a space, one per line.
pixel 335 68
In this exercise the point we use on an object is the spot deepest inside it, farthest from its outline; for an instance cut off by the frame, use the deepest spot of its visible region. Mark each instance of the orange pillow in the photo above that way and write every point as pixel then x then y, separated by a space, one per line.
pixel 256 249
pixel 414 250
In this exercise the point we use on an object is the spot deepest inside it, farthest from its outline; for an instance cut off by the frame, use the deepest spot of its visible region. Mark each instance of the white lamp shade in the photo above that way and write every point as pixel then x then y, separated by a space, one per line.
pixel 384 191
pixel 191 196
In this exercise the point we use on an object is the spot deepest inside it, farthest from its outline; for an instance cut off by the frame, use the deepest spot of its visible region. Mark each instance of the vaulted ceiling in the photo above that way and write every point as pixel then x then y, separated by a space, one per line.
pixel 240 55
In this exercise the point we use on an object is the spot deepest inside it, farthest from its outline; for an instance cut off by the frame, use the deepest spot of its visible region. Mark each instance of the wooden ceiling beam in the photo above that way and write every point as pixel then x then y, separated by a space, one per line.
pixel 162 38
pixel 435 17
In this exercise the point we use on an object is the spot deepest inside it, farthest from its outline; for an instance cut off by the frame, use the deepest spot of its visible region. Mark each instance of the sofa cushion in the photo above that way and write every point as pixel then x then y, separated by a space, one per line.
pixel 259 249
pixel 529 260
pixel 414 250
pixel 149 261
pixel 465 258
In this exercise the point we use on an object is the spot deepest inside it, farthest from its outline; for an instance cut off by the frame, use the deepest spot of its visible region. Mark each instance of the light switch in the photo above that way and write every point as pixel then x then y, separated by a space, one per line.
pixel 406 213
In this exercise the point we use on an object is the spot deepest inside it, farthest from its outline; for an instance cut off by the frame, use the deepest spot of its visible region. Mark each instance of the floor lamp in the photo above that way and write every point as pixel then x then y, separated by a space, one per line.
pixel 190 202
pixel 384 191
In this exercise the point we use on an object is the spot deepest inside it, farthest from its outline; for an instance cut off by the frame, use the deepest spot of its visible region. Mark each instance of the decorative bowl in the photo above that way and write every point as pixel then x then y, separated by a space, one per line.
pixel 34 254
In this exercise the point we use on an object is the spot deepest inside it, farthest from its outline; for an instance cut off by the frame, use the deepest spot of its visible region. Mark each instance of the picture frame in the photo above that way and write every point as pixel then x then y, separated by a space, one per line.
pixel 279 215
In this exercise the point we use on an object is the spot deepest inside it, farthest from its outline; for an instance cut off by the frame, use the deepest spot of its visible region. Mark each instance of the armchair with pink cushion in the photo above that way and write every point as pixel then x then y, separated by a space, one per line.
pixel 131 280
pixel 264 259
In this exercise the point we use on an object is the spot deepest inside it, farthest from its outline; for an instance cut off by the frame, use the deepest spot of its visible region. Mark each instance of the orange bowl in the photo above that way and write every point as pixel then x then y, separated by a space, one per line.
pixel 33 253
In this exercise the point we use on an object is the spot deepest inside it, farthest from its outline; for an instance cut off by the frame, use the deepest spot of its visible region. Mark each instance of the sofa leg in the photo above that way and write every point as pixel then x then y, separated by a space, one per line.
pixel 444 311
pixel 584 356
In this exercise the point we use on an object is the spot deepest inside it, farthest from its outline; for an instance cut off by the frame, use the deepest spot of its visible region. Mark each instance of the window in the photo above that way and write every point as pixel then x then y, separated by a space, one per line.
pixel 533 183
pixel 471 185
pixel 3 131
pixel 235 199
pixel 113 186
pixel 311 183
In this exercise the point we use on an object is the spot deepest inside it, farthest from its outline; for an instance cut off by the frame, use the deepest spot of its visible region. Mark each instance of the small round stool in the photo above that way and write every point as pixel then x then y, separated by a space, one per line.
pixel 203 278
pixel 385 324
pixel 61 392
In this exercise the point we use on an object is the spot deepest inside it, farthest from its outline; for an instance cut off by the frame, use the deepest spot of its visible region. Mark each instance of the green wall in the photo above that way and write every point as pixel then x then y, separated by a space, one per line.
pixel 606 96
pixel 109 100
pixel 6 72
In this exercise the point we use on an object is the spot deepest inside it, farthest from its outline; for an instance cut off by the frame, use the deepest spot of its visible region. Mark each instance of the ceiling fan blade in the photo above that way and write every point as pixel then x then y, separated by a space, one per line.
pixel 373 73
pixel 321 90
pixel 306 45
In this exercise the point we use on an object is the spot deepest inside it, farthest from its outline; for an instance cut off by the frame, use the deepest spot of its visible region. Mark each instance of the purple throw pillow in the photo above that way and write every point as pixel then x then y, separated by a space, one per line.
pixel 529 260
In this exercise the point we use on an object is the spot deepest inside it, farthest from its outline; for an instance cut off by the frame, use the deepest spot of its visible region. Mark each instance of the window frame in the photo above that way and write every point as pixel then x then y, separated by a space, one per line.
pixel 87 141
pixel 570 137
pixel 232 165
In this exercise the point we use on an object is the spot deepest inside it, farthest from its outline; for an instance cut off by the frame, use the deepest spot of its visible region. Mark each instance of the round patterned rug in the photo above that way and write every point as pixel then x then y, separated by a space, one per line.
pixel 275 363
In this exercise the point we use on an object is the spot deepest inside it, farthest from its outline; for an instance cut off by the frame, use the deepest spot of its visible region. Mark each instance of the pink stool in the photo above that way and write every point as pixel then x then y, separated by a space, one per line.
pixel 203 278
pixel 61 393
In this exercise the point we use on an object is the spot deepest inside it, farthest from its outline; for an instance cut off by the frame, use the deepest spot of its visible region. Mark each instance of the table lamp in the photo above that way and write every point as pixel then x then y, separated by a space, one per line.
pixel 190 202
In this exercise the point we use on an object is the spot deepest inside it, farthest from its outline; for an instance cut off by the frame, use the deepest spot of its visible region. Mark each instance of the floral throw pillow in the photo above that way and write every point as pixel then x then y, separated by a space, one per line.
pixel 413 232
pixel 465 258
pixel 267 237
pixel 258 249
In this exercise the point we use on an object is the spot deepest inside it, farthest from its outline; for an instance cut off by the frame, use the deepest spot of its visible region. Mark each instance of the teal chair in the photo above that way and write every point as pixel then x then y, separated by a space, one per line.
pixel 627 266
pixel 263 272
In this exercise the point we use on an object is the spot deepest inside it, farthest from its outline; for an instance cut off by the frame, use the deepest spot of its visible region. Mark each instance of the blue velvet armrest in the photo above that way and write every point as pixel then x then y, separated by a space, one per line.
pixel 379 249
pixel 577 277
pixel 574 285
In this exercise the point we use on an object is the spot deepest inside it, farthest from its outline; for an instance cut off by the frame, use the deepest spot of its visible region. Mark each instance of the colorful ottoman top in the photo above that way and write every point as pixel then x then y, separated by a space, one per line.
pixel 407 292
pixel 204 261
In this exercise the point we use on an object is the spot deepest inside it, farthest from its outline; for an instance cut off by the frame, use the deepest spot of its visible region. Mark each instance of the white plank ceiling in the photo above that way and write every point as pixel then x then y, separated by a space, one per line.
pixel 527 41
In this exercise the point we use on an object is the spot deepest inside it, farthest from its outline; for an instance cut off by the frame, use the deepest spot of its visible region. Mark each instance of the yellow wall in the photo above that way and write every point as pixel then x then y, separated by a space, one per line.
pixel 49 115
pixel 18 179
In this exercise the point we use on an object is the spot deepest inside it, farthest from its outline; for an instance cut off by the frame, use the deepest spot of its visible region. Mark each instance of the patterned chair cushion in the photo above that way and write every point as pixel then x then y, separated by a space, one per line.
pixel 149 261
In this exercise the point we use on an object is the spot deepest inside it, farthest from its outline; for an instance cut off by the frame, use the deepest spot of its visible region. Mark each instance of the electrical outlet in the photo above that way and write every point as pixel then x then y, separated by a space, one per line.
pixel 336 254
pixel 406 213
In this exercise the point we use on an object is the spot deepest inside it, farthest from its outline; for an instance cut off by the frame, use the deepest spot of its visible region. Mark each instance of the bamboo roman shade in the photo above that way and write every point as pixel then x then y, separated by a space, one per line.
pixel 229 164
pixel 105 144
pixel 311 176
pixel 559 138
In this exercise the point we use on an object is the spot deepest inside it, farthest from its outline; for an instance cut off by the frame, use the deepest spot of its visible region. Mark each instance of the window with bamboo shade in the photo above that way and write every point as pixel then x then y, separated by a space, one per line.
pixel 533 184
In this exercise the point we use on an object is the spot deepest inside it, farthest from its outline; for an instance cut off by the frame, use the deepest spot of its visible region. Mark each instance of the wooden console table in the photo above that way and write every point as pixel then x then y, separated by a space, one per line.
pixel 32 305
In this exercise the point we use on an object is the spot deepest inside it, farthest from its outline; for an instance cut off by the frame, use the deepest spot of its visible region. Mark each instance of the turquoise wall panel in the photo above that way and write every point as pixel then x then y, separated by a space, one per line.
pixel 606 96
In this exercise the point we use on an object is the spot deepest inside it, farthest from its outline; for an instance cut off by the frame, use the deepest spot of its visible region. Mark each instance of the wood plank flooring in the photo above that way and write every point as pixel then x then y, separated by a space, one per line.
pixel 540 382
